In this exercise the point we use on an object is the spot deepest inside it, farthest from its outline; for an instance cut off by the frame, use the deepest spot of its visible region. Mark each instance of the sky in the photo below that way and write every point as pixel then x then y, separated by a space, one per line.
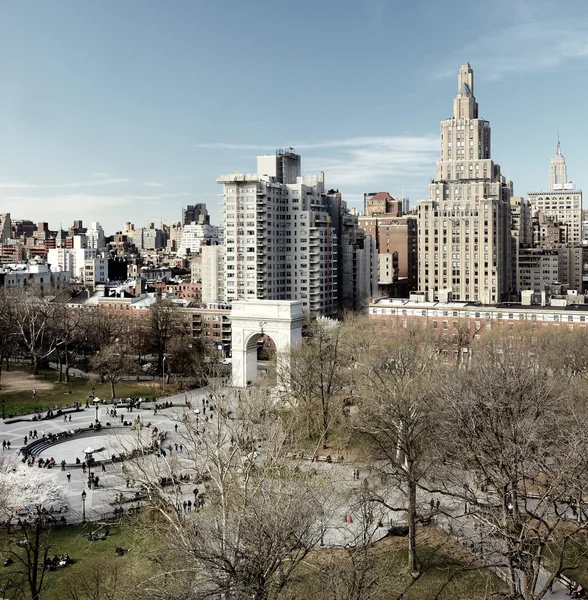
pixel 127 110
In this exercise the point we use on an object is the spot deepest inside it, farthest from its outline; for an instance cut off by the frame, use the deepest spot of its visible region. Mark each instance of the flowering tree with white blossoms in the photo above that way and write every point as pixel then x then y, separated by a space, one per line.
pixel 27 494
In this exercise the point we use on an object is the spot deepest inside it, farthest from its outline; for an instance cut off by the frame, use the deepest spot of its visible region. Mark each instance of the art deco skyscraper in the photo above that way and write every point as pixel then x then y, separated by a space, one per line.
pixel 464 228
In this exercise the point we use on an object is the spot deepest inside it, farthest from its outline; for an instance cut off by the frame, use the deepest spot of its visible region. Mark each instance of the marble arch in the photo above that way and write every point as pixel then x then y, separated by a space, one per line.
pixel 279 319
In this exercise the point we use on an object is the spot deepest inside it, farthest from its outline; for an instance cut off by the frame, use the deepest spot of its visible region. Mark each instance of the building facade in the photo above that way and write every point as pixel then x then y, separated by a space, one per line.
pixel 464 228
pixel 560 201
pixel 280 243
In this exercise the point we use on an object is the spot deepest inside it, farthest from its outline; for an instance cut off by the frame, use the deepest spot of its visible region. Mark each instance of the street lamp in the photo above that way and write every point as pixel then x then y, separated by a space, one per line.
pixel 163 373
pixel 84 506
pixel 96 406
pixel 197 413
pixel 88 452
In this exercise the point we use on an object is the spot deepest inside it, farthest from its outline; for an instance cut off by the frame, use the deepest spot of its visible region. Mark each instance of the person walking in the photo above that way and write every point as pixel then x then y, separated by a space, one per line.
pixel 64 418
pixel 25 440
pixel 185 505
pixel 34 393
pixel 69 418
pixel 3 444
pixel 189 505
pixel 68 477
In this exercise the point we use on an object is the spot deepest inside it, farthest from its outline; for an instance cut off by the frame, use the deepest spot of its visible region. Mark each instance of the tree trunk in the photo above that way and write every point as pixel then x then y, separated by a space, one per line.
pixel 67 368
pixel 325 418
pixel 8 363
pixel 60 367
pixel 35 365
pixel 112 388
pixel 413 562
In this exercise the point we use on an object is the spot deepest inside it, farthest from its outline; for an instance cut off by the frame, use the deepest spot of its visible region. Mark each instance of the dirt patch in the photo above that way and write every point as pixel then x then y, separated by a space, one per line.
pixel 18 381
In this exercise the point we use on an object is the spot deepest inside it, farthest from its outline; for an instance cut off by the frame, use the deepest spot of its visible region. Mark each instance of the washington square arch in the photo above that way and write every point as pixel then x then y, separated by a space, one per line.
pixel 281 320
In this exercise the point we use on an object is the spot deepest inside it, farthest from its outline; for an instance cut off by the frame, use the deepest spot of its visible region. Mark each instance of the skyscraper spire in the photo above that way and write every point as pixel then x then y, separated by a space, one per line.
pixel 558 171
pixel 465 105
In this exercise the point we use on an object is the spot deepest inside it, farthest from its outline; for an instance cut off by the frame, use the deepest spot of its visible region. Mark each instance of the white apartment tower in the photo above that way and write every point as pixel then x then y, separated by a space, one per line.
pixel 280 242
pixel 560 201
pixel 464 228
pixel 95 237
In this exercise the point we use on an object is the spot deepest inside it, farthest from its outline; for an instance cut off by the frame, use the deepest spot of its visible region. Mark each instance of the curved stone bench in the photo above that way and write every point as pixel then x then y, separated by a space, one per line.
pixel 36 447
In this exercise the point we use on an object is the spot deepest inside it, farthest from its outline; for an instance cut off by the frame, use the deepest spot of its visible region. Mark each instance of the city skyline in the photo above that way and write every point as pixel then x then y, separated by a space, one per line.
pixel 130 111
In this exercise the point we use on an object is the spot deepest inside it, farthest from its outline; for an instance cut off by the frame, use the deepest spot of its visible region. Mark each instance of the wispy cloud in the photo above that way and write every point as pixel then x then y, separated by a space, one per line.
pixel 101 174
pixel 61 203
pixel 153 184
pixel 372 161
pixel 542 36
pixel 360 164
pixel 21 185
pixel 236 147
pixel 69 206
pixel 157 197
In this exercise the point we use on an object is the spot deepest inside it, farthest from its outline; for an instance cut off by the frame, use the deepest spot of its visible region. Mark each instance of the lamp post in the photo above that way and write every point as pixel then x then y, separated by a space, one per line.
pixel 197 413
pixel 163 373
pixel 88 452
pixel 84 506
pixel 3 403
pixel 96 406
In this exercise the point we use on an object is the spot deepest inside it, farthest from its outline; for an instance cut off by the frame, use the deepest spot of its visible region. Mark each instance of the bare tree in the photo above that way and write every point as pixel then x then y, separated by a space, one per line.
pixel 32 324
pixel 260 515
pixel 512 450
pixel 8 332
pixel 112 363
pixel 316 376
pixel 396 410
pixel 164 322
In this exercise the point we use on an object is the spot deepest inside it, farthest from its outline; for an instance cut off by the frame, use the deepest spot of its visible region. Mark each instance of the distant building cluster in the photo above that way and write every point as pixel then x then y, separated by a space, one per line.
pixel 288 236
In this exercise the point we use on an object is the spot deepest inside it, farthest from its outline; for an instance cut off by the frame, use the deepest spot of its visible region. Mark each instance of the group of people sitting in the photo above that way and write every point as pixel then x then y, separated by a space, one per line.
pixel 58 561
pixel 98 535
pixel 163 405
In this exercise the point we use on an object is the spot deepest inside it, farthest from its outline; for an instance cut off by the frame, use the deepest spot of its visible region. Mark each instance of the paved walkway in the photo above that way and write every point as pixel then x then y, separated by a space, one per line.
pixel 343 526
pixel 98 504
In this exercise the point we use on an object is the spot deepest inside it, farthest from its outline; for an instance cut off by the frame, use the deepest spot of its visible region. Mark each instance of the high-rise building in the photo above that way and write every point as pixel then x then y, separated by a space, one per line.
pixel 357 255
pixel 396 243
pixel 212 273
pixel 195 213
pixel 464 228
pixel 5 228
pixel 285 236
pixel 195 235
pixel 560 201
pixel 95 236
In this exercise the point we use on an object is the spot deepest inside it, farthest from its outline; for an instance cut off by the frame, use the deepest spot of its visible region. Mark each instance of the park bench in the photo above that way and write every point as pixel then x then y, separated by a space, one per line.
pixel 569 583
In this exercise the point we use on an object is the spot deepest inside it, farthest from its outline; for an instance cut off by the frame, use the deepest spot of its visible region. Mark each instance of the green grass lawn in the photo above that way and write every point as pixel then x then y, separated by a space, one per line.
pixel 22 402
pixel 442 578
pixel 448 573
pixel 95 564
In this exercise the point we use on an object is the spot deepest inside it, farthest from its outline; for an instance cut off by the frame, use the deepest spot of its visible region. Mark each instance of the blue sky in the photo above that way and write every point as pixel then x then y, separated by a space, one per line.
pixel 127 110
